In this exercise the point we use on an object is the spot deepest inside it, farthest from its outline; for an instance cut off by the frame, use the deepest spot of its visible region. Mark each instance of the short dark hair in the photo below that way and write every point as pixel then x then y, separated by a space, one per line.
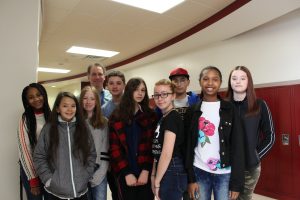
pixel 116 73
pixel 95 65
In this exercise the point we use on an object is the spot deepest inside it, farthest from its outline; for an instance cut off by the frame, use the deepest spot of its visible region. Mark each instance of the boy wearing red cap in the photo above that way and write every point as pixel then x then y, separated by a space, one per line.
pixel 183 99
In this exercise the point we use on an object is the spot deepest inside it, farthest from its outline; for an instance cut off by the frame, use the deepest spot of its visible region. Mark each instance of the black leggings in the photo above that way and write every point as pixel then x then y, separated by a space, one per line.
pixel 143 192
pixel 52 197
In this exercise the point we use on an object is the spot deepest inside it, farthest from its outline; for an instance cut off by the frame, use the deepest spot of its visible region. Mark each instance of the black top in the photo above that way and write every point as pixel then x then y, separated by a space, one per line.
pixel 171 122
pixel 259 132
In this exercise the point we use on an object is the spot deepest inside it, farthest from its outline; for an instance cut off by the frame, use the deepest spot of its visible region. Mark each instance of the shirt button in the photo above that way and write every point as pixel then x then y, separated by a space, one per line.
pixel 221 127
pixel 223 153
pixel 222 141
pixel 223 165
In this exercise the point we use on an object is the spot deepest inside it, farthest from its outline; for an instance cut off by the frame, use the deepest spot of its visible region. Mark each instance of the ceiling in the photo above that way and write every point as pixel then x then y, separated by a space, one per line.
pixel 104 24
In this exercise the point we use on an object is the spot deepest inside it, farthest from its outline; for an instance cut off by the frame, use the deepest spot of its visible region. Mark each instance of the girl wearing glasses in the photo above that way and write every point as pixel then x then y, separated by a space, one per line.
pixel 131 128
pixel 168 178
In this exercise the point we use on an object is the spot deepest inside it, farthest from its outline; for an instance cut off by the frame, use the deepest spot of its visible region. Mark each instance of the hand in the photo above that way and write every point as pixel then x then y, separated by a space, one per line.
pixel 152 184
pixel 143 178
pixel 233 195
pixel 193 188
pixel 130 180
pixel 35 190
pixel 156 192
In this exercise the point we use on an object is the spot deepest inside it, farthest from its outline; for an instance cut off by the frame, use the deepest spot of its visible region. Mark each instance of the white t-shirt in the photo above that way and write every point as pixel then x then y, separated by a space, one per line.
pixel 207 156
pixel 178 103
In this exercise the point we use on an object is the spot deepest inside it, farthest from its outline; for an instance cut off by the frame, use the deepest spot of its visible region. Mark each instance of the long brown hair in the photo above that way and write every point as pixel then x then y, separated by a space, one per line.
pixel 97 120
pixel 125 111
pixel 82 142
pixel 253 107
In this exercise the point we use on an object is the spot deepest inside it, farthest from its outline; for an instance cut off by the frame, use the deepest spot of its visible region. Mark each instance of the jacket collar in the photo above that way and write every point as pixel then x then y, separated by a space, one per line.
pixel 223 106
pixel 63 121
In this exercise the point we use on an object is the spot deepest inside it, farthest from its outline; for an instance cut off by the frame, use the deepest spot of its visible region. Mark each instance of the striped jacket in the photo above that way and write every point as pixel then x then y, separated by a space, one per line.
pixel 118 145
pixel 25 150
pixel 259 132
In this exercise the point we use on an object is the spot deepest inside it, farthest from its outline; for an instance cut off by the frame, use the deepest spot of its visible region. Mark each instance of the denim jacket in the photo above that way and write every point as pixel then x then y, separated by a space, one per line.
pixel 231 142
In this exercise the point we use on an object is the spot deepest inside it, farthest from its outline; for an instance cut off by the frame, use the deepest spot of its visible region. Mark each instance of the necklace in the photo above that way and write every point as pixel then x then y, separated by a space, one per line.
pixel 167 112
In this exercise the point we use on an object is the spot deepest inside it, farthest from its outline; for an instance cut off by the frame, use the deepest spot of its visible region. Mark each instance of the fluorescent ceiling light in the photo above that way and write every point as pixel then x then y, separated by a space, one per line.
pixel 158 6
pixel 52 70
pixel 92 52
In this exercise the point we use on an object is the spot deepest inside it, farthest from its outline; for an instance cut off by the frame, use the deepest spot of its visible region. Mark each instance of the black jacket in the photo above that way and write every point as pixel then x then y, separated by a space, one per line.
pixel 259 132
pixel 231 142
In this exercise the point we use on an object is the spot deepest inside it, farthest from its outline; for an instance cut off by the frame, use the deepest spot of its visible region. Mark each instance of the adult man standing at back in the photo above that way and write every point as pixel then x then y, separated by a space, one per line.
pixel 96 76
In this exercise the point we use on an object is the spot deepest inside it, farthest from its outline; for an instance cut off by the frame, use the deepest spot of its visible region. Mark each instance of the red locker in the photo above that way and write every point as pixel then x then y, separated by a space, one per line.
pixel 280 177
pixel 296 139
pixel 266 184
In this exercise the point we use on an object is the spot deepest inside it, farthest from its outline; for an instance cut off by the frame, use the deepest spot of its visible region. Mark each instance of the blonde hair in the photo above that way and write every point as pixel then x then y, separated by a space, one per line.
pixel 97 120
pixel 166 82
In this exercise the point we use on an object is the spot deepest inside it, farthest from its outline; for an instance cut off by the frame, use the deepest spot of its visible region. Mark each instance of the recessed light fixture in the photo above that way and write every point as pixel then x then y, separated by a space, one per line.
pixel 53 86
pixel 52 70
pixel 159 6
pixel 92 52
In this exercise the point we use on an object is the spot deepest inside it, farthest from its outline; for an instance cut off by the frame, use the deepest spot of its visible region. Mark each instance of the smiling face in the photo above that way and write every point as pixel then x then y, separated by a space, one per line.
pixel 139 93
pixel 67 109
pixel 115 85
pixel 35 99
pixel 239 81
pixel 89 101
pixel 164 103
pixel 96 77
pixel 210 83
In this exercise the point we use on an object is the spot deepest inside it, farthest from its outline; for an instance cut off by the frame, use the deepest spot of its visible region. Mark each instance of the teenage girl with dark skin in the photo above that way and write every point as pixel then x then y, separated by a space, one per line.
pixel 36 113
pixel 215 153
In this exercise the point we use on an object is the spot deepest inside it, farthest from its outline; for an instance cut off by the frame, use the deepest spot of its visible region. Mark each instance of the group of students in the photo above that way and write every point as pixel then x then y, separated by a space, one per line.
pixel 189 147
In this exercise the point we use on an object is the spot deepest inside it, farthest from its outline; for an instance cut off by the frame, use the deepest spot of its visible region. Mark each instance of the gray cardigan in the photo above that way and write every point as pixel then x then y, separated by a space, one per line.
pixel 66 177
pixel 101 141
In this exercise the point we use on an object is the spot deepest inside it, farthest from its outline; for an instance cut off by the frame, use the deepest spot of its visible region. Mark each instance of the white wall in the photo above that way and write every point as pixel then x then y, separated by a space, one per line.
pixel 18 62
pixel 52 93
pixel 74 88
pixel 272 52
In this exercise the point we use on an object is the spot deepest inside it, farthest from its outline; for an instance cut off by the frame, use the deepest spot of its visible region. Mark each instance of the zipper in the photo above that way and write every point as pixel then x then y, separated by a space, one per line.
pixel 70 158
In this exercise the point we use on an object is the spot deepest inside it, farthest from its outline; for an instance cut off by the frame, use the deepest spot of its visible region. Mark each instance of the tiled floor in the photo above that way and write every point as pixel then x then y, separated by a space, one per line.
pixel 259 197
pixel 255 197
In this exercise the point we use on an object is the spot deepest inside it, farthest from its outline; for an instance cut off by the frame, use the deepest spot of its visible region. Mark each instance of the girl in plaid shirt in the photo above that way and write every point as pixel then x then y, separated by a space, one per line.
pixel 132 127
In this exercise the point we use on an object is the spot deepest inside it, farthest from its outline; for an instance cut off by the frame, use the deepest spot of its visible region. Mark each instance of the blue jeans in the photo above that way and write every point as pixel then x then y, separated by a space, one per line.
pixel 174 181
pixel 98 192
pixel 216 183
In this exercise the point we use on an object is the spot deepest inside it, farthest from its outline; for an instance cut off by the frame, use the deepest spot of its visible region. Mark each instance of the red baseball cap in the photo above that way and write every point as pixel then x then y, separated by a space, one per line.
pixel 179 72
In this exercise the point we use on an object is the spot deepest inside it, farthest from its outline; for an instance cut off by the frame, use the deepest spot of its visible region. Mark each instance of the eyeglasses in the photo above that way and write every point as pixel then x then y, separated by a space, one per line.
pixel 162 95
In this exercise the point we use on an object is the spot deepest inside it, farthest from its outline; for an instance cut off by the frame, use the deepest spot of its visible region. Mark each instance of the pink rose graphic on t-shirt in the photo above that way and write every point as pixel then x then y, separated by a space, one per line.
pixel 213 164
pixel 206 128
